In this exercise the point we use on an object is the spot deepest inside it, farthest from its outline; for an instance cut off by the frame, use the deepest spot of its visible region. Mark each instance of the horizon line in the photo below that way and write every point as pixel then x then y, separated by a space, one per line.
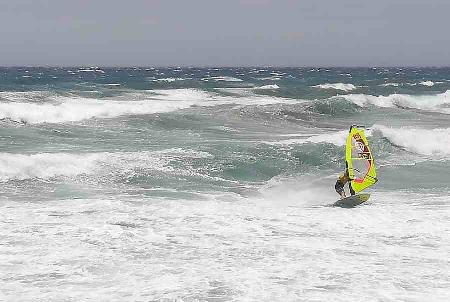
pixel 224 66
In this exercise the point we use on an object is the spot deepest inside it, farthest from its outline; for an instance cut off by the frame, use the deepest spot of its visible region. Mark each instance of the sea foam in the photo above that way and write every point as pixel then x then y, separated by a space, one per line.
pixel 427 83
pixel 51 165
pixel 58 109
pixel 337 138
pixel 21 107
pixel 434 102
pixel 222 79
pixel 268 87
pixel 45 165
pixel 416 140
pixel 169 80
pixel 77 109
pixel 421 141
pixel 337 86
pixel 390 84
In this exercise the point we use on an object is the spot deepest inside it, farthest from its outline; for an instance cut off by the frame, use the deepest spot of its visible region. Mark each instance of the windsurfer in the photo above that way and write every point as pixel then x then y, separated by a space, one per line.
pixel 340 183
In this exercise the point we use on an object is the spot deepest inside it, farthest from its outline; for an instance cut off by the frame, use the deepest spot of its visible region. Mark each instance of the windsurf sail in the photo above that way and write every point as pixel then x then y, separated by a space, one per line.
pixel 359 159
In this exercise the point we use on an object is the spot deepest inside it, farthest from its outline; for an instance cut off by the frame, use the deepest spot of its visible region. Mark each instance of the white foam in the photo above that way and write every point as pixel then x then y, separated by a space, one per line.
pixel 256 101
pixel 92 69
pixel 44 165
pixel 181 94
pixel 337 138
pixel 390 84
pixel 169 80
pixel 268 87
pixel 423 102
pixel 222 79
pixel 247 96
pixel 21 96
pixel 303 190
pixel 65 109
pixel 180 152
pixel 337 86
pixel 50 165
pixel 427 83
pixel 421 141
pixel 70 110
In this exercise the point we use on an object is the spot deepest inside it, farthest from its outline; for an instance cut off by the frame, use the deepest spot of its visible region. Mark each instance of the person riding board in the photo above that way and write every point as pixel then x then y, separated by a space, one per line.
pixel 340 183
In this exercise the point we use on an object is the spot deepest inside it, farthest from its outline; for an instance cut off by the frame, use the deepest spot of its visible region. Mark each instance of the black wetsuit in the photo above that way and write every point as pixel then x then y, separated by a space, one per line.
pixel 339 186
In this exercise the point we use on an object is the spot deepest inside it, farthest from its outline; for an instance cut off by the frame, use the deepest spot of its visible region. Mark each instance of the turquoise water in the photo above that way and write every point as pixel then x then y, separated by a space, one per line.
pixel 210 184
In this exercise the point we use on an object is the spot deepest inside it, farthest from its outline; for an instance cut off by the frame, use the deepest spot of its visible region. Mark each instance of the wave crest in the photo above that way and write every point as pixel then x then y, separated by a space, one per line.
pixel 70 110
pixel 268 87
pixel 421 141
pixel 44 165
pixel 427 83
pixel 416 140
pixel 51 165
pixel 336 138
pixel 435 103
pixel 337 86
pixel 59 109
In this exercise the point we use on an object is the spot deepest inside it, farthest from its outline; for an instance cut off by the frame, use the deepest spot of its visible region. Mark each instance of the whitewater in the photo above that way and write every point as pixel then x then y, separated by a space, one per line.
pixel 213 184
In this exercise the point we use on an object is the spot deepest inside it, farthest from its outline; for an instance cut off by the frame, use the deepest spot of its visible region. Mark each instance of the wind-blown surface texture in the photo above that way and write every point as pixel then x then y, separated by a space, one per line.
pixel 211 184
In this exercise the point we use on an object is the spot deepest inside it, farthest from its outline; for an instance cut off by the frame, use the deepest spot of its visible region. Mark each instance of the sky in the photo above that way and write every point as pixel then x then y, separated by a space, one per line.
pixel 224 33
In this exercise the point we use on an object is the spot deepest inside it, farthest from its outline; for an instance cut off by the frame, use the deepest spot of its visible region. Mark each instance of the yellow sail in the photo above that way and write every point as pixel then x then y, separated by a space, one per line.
pixel 359 159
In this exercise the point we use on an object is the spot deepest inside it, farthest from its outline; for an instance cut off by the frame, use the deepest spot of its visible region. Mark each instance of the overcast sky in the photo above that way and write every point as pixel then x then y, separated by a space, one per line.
pixel 225 32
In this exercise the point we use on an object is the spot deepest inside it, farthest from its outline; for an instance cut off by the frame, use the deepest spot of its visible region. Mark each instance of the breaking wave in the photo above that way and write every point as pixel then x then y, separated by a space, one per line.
pixel 416 140
pixel 337 86
pixel 337 138
pixel 51 165
pixel 421 141
pixel 434 103
pixel 390 84
pixel 427 83
pixel 268 87
pixel 70 110
pixel 222 79
pixel 24 96
pixel 45 165
pixel 168 80
pixel 58 109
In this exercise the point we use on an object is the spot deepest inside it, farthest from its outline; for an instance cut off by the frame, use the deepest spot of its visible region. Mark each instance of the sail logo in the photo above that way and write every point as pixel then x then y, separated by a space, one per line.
pixel 360 146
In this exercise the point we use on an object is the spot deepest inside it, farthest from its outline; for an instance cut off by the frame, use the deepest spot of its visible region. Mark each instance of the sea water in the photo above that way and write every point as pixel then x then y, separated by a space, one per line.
pixel 212 184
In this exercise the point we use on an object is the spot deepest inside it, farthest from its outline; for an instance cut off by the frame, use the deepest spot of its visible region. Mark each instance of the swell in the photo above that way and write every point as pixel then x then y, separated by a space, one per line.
pixel 54 165
pixel 224 166
pixel 419 141
pixel 60 109
pixel 434 103
pixel 54 108
pixel 236 167
pixel 46 107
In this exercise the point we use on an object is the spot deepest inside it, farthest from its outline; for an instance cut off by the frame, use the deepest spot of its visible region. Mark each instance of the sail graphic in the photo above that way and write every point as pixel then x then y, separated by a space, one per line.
pixel 359 159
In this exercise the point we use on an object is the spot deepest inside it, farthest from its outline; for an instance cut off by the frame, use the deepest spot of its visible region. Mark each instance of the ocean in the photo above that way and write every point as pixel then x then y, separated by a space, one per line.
pixel 212 184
